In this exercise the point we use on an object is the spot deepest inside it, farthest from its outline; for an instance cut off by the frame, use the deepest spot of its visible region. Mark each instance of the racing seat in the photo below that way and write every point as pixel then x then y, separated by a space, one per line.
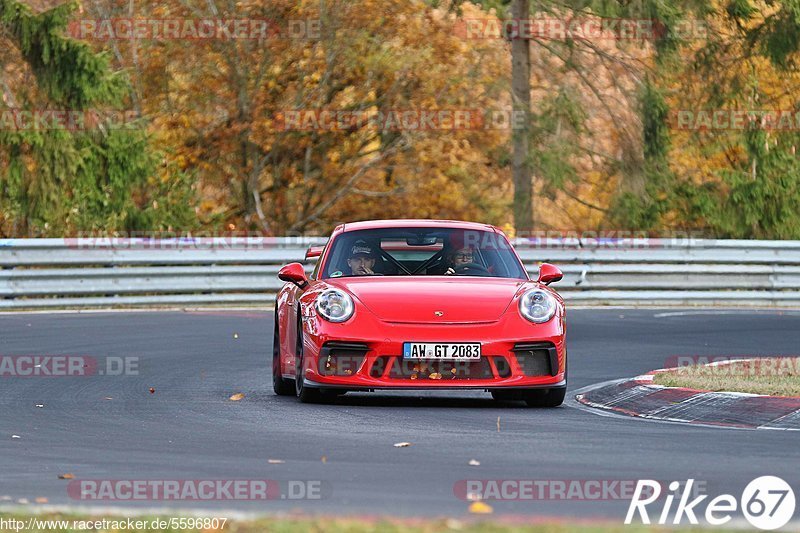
pixel 387 268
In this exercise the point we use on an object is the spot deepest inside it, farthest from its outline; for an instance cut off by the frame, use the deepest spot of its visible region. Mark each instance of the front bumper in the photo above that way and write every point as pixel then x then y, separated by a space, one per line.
pixel 445 386
pixel 516 354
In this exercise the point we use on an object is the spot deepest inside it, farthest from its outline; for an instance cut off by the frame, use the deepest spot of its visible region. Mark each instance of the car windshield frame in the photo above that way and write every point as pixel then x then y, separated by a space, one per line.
pixel 416 253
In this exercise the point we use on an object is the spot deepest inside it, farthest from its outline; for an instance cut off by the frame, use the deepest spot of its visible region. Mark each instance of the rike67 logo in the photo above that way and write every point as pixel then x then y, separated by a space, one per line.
pixel 767 503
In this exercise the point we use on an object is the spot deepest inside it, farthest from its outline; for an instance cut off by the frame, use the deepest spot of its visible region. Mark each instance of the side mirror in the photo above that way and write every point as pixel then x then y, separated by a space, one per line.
pixel 314 251
pixel 294 273
pixel 549 274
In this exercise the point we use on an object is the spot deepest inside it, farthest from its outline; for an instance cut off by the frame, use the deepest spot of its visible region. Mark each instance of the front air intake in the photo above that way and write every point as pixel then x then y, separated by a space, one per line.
pixel 537 358
pixel 341 358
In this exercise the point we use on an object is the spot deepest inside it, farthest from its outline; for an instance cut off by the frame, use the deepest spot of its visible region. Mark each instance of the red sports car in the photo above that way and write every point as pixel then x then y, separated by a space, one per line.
pixel 419 304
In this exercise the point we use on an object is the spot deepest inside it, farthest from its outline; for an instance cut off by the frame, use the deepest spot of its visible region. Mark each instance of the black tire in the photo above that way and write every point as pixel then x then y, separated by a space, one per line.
pixel 508 395
pixel 281 385
pixel 305 394
pixel 534 397
pixel 545 397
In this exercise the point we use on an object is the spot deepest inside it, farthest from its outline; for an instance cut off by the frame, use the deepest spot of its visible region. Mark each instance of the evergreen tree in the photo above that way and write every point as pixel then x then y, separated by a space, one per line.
pixel 759 198
pixel 649 194
pixel 97 173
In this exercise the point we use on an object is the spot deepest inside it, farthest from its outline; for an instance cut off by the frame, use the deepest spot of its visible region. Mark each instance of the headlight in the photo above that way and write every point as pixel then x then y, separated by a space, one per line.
pixel 335 305
pixel 537 306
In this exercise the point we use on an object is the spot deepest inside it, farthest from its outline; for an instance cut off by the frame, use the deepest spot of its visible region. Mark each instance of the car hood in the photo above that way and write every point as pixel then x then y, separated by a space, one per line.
pixel 419 300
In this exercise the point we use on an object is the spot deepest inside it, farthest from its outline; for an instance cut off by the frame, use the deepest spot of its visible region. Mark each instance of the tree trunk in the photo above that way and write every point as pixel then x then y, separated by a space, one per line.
pixel 521 97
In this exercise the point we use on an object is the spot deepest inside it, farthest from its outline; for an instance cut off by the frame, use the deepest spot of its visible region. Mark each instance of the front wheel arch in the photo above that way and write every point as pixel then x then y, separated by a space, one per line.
pixel 282 386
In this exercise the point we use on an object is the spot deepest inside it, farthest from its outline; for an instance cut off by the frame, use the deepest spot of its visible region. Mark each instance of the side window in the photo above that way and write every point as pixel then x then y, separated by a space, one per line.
pixel 315 273
pixel 337 261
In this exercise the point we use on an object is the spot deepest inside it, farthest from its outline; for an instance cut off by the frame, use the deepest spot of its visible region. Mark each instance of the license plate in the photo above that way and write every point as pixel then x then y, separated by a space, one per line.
pixel 444 351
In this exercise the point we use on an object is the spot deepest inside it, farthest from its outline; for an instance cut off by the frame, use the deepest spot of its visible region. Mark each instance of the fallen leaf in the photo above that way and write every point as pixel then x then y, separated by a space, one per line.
pixel 41 499
pixel 453 370
pixel 152 390
pixel 402 444
pixel 348 372
pixel 66 476
pixel 480 508
pixel 15 437
pixel 40 405
pixel 435 375
pixel 275 461
pixel 413 376
pixel 324 459
pixel 454 524
pixel 473 462
pixel 237 397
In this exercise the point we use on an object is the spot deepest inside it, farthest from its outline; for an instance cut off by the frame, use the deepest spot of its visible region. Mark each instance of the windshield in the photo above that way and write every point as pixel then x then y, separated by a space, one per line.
pixel 422 252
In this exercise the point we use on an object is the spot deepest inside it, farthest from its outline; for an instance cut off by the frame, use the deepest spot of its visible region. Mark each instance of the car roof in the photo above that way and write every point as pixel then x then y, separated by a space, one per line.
pixel 416 223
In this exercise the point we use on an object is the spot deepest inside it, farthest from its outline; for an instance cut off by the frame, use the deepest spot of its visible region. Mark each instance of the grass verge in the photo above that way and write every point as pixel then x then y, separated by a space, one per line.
pixel 50 522
pixel 774 376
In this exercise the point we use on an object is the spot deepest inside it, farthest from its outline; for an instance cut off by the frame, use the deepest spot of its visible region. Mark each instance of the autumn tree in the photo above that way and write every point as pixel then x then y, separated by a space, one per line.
pixel 728 177
pixel 68 161
pixel 599 137
pixel 222 102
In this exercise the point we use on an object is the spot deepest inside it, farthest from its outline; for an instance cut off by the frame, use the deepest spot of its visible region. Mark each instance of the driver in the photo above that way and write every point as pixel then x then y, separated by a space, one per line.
pixel 456 255
pixel 362 259
pixel 458 258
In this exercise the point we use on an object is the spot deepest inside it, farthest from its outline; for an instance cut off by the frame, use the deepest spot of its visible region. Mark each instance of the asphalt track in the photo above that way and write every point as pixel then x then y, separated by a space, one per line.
pixel 188 429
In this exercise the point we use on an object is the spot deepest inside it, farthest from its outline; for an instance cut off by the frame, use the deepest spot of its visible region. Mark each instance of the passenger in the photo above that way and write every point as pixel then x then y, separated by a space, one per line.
pixel 361 261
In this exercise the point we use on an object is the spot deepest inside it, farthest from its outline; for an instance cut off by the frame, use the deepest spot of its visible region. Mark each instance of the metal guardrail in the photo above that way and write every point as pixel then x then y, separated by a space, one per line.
pixel 47 273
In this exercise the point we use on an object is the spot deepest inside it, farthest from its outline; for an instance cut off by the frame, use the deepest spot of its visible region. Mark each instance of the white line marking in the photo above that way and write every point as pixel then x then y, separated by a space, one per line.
pixel 766 312
pixel 600 410
pixel 775 424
